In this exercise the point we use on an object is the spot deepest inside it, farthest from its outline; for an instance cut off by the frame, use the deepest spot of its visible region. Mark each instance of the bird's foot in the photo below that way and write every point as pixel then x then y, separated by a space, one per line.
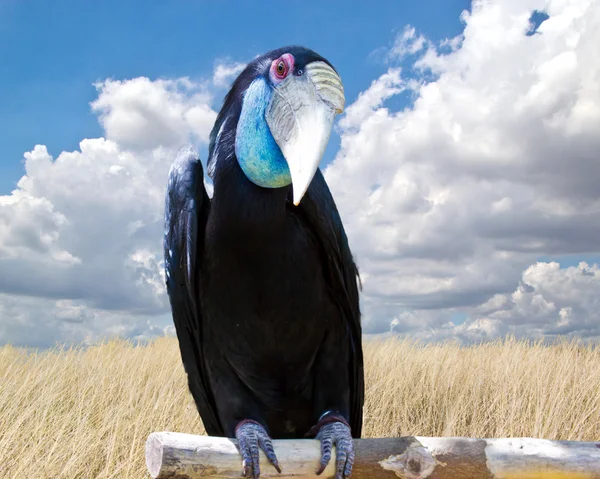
pixel 251 436
pixel 334 430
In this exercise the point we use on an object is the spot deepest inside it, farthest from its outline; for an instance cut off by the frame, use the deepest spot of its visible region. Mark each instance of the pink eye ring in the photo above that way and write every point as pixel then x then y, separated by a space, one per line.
pixel 281 67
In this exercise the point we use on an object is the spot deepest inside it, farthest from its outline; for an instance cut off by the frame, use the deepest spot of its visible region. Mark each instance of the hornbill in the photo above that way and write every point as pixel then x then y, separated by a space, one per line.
pixel 262 284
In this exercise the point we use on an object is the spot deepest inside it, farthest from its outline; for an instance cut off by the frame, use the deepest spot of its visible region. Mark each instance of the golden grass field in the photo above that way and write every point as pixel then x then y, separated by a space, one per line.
pixel 76 413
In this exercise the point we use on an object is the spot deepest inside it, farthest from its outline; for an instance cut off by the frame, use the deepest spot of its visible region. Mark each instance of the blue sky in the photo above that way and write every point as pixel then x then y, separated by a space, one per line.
pixel 463 169
pixel 53 52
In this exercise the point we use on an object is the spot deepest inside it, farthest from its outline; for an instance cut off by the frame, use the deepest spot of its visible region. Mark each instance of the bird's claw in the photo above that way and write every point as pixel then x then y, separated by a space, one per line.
pixel 251 436
pixel 338 434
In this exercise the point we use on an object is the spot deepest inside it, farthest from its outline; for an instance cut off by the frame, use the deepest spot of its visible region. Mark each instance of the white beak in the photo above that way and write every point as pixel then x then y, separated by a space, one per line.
pixel 300 118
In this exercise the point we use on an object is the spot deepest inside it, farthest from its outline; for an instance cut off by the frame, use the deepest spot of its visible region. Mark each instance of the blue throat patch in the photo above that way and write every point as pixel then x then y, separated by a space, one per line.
pixel 257 152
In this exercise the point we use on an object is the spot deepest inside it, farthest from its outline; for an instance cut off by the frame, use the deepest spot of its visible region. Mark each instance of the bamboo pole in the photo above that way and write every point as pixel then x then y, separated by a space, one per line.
pixel 186 456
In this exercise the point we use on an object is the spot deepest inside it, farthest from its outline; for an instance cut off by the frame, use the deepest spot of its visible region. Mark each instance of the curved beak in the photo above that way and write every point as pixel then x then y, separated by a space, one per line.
pixel 300 117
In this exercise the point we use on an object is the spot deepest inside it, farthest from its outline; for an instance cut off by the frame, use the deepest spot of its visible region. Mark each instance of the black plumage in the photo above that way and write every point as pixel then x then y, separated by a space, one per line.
pixel 264 294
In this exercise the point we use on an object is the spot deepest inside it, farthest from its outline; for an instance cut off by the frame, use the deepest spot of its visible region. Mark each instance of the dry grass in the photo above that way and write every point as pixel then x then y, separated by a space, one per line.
pixel 86 413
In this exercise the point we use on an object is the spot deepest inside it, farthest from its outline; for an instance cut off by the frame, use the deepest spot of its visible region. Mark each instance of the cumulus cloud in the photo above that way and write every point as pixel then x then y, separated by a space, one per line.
pixel 39 322
pixel 31 227
pixel 144 114
pixel 225 72
pixel 99 207
pixel 408 43
pixel 495 164
pixel 548 302
pixel 81 235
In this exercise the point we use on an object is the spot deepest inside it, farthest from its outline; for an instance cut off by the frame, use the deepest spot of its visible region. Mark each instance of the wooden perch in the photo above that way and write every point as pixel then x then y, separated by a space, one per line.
pixel 185 456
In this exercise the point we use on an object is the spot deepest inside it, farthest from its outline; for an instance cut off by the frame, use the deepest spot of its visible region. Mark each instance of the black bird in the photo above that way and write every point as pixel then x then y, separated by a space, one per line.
pixel 262 284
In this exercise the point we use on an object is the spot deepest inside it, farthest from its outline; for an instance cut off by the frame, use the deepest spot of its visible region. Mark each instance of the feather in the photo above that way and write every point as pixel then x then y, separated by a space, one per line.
pixel 186 211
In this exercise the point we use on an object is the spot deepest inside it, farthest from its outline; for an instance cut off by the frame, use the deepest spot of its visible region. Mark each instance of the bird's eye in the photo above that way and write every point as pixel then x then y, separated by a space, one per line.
pixel 281 67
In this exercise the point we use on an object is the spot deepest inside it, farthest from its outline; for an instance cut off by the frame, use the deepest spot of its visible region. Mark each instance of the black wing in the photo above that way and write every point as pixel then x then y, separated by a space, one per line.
pixel 319 210
pixel 186 213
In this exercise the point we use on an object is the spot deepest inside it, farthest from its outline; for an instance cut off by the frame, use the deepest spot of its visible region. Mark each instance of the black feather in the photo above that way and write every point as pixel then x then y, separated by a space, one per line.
pixel 186 211
pixel 264 294
pixel 320 213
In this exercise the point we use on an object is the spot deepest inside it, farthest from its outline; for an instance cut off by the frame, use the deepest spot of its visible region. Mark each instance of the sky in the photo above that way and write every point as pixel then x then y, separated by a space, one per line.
pixel 465 166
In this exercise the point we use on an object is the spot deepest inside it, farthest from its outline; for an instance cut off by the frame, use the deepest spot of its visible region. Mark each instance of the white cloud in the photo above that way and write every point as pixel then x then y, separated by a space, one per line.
pixel 225 72
pixel 145 114
pixel 95 210
pixel 81 236
pixel 31 228
pixel 549 301
pixel 40 322
pixel 408 43
pixel 448 201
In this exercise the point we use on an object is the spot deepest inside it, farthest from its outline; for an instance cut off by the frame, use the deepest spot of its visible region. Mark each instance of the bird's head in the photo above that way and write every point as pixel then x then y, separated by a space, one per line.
pixel 277 118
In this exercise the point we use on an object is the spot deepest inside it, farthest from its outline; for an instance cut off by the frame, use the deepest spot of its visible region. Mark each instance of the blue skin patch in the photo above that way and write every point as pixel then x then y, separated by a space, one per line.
pixel 257 152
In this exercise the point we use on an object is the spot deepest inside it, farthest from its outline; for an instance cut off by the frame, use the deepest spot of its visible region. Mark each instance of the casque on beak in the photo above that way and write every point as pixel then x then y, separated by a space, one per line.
pixel 300 117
